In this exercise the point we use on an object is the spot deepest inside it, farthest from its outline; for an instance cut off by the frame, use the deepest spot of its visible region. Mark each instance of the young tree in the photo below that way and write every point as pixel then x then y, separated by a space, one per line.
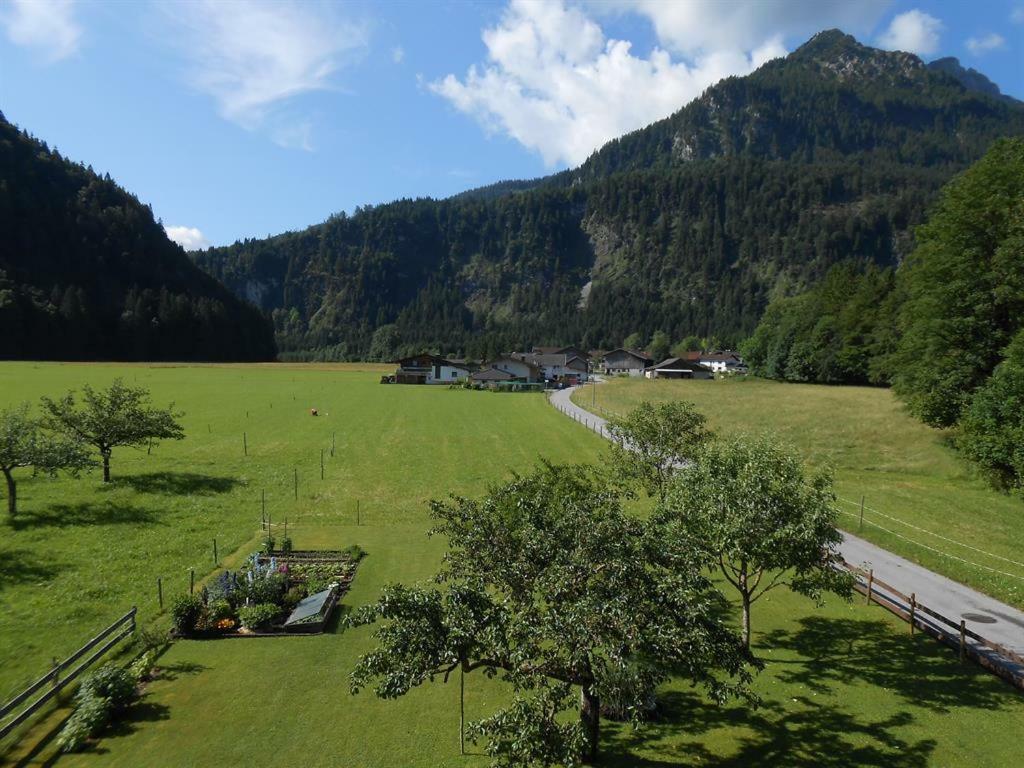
pixel 749 508
pixel 549 583
pixel 659 347
pixel 688 344
pixel 24 444
pixel 652 442
pixel 119 416
pixel 633 341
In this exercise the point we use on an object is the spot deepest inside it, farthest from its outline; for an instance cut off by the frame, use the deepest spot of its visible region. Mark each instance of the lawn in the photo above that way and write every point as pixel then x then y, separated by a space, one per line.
pixel 843 685
pixel 921 499
pixel 79 553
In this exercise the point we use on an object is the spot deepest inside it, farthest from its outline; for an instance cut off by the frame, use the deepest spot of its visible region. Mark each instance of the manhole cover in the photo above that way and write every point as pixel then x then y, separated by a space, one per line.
pixel 979 618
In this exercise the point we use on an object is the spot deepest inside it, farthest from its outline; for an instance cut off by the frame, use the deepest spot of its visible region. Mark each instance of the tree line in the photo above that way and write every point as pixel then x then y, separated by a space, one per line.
pixel 945 329
pixel 87 273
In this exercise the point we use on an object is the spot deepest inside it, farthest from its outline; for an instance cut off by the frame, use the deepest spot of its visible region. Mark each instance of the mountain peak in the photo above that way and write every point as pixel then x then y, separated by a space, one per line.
pixel 968 77
pixel 835 52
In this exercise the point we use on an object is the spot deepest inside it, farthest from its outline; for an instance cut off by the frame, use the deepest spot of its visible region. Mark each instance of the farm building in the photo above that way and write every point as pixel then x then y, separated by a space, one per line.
pixel 627 361
pixel 557 366
pixel 723 362
pixel 679 368
pixel 521 370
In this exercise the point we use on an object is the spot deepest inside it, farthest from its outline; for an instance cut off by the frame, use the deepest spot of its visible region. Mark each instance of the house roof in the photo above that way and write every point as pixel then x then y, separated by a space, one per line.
pixel 634 352
pixel 491 374
pixel 515 358
pixel 681 364
pixel 721 357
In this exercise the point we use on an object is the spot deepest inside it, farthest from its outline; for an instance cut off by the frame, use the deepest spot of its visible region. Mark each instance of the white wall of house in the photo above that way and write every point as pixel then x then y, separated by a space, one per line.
pixel 517 368
pixel 446 374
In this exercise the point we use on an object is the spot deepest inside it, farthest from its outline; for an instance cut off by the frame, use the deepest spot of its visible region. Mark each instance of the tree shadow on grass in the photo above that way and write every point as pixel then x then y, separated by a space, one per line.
pixel 919 670
pixel 179 668
pixel 177 483
pixel 19 566
pixel 801 734
pixel 82 514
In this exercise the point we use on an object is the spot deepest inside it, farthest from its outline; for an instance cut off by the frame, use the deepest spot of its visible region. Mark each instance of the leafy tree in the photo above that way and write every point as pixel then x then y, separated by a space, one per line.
pixel 551 585
pixel 965 287
pixel 653 441
pixel 384 343
pixel 118 416
pixel 688 344
pixel 992 427
pixel 633 341
pixel 747 505
pixel 659 346
pixel 24 444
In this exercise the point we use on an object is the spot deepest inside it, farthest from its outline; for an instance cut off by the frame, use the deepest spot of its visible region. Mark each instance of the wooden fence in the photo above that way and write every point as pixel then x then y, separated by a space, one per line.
pixel 989 654
pixel 54 681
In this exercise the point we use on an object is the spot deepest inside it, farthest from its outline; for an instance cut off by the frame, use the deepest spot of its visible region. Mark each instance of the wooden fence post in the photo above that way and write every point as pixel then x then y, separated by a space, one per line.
pixel 160 592
pixel 191 580
pixel 913 610
pixel 215 558
pixel 333 436
pixel 296 483
pixel 861 527
pixel 871 581
pixel 56 672
pixel 321 463
pixel 245 445
pixel 963 640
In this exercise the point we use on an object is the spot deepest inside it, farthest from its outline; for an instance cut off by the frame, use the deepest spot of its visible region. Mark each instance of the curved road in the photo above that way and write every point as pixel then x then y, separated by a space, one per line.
pixel 987 616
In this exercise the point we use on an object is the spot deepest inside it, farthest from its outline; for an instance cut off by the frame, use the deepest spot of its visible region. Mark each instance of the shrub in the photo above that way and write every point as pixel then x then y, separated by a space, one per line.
pixel 185 613
pixel 113 683
pixel 286 544
pixel 142 667
pixel 266 589
pixel 87 720
pixel 268 544
pixel 293 597
pixel 355 553
pixel 219 610
pixel 258 616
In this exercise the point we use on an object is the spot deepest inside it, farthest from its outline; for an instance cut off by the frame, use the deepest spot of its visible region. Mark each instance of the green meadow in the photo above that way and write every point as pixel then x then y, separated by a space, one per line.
pixel 922 500
pixel 843 684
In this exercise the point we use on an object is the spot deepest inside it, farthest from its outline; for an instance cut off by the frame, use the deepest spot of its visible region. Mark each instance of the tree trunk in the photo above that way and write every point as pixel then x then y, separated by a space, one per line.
pixel 12 493
pixel 106 466
pixel 746 618
pixel 590 714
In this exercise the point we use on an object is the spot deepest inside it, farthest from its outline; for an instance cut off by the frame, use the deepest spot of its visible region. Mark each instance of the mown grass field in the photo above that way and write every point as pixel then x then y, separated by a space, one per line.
pixel 921 499
pixel 843 685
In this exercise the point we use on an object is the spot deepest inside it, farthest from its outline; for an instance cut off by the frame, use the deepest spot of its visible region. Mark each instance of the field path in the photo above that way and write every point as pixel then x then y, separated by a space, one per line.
pixel 987 616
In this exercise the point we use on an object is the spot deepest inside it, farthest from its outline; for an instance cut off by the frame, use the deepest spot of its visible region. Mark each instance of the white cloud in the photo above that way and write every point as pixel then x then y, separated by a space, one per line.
pixel 985 43
pixel 914 31
pixel 1017 15
pixel 47 25
pixel 189 238
pixel 397 54
pixel 254 57
pixel 694 26
pixel 555 84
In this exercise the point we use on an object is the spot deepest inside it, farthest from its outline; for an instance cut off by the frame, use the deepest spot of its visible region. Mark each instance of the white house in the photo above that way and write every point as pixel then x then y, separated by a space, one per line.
pixel 557 366
pixel 429 369
pixel 723 362
pixel 520 369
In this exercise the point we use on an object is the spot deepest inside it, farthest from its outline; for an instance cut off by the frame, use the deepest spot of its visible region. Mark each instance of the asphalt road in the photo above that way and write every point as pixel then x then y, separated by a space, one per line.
pixel 988 617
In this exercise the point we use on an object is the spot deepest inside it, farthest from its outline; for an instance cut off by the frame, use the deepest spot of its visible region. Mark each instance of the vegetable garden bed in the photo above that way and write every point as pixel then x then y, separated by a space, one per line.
pixel 274 593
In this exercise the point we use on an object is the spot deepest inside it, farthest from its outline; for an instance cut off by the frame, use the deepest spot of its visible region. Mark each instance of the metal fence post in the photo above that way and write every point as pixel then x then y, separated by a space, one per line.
pixel 913 610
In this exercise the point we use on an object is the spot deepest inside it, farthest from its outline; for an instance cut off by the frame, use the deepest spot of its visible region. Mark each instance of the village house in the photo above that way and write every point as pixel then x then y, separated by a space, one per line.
pixel 563 367
pixel 521 370
pixel 430 369
pixel 722 362
pixel 626 361
pixel 679 368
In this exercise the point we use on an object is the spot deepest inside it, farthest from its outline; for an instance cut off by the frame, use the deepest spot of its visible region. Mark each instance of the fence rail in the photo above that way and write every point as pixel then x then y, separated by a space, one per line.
pixel 95 649
pixel 991 655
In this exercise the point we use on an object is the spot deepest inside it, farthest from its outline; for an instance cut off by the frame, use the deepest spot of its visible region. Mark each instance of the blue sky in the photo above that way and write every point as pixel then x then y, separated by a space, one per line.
pixel 242 119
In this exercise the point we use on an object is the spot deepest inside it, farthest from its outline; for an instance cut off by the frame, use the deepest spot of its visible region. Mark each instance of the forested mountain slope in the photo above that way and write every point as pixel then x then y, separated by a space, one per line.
pixel 86 273
pixel 689 226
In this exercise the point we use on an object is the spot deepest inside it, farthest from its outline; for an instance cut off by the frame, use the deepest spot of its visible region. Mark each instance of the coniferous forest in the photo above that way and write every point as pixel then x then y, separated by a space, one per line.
pixel 86 273
pixel 689 227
